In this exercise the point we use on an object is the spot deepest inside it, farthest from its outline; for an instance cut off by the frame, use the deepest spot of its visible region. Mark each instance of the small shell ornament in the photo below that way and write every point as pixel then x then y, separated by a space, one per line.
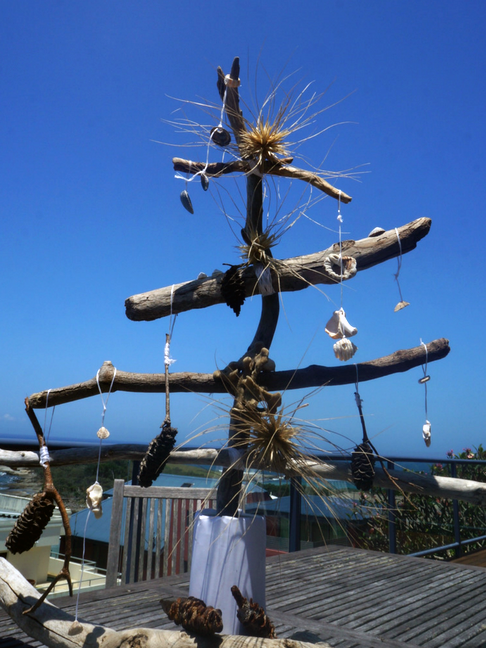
pixel 94 495
pixel 102 433
pixel 339 327
pixel 186 201
pixel 75 628
pixel 344 349
pixel 401 305
pixel 427 433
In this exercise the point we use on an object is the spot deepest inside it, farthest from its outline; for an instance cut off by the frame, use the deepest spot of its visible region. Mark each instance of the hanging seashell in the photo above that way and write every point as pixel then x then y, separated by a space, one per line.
pixel 424 380
pixel 377 231
pixel 204 181
pixel 75 628
pixel 102 433
pixel 339 327
pixel 220 136
pixel 344 349
pixel 338 269
pixel 401 305
pixel 186 201
pixel 94 495
pixel 427 433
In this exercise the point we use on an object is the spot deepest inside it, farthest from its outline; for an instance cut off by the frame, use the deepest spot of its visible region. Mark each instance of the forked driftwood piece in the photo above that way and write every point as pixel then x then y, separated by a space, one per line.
pixel 294 274
pixel 312 376
pixel 51 626
pixel 284 170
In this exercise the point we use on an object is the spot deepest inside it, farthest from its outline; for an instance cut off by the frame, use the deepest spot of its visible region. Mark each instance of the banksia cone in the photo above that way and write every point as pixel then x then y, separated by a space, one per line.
pixel 233 289
pixel 193 615
pixel 156 456
pixel 363 466
pixel 253 617
pixel 29 526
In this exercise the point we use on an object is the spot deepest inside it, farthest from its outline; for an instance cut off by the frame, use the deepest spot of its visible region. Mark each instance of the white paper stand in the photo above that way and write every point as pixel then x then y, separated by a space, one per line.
pixel 228 551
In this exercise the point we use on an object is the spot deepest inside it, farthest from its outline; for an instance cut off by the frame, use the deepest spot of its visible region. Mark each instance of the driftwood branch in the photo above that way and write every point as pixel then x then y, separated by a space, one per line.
pixel 312 376
pixel 293 274
pixel 434 486
pixel 53 627
pixel 284 170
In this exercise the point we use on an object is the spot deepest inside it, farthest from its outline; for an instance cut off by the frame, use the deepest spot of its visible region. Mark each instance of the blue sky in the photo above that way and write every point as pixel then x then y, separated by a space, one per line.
pixel 91 212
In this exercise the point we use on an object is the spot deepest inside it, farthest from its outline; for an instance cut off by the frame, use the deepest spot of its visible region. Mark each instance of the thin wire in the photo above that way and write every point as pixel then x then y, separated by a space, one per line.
pixel 82 566
pixel 399 259
pixel 46 437
pixel 424 367
pixel 340 219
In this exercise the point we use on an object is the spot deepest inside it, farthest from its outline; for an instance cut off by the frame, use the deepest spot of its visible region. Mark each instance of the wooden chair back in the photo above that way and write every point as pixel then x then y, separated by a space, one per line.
pixel 157 525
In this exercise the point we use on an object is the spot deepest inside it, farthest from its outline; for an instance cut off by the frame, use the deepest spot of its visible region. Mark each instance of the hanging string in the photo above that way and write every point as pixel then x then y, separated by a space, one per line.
pixel 359 404
pixel 213 131
pixel 340 219
pixel 44 457
pixel 82 567
pixel 105 404
pixel 168 338
pixel 402 302
pixel 427 428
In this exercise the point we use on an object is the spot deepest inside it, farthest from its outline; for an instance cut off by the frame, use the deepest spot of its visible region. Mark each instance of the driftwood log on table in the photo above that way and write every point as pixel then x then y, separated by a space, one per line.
pixel 51 625
pixel 185 382
pixel 294 274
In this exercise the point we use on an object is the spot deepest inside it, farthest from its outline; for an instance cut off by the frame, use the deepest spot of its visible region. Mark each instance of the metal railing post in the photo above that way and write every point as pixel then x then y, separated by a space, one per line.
pixel 392 526
pixel 455 516
pixel 295 513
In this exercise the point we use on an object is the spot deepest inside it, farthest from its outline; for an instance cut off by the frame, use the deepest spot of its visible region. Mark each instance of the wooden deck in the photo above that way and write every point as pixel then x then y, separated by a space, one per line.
pixel 348 597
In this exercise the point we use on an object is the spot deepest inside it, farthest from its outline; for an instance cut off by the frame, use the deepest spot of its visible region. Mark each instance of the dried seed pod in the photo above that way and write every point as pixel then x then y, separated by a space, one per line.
pixel 252 616
pixel 233 289
pixel 220 136
pixel 193 615
pixel 156 456
pixel 363 466
pixel 29 526
pixel 186 201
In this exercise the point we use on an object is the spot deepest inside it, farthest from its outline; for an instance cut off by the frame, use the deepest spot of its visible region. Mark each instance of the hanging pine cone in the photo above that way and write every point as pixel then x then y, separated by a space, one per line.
pixel 29 526
pixel 253 617
pixel 233 289
pixel 156 456
pixel 363 466
pixel 193 615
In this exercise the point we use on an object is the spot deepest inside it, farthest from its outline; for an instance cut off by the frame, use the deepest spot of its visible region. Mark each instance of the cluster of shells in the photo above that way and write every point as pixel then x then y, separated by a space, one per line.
pixel 338 328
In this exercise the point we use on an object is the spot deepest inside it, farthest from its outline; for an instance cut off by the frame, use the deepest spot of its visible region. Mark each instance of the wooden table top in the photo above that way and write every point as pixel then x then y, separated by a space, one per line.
pixel 350 598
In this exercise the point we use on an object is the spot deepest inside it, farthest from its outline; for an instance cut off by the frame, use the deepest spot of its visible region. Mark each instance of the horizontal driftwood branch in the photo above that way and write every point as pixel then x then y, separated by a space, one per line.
pixel 52 626
pixel 312 376
pixel 434 486
pixel 293 274
pixel 217 169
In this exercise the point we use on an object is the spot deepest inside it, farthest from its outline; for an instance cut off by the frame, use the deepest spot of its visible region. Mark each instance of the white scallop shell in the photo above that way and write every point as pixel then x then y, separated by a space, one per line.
pixel 94 495
pixel 427 433
pixel 339 327
pixel 377 231
pixel 332 266
pixel 102 433
pixel 344 349
pixel 401 305
pixel 202 275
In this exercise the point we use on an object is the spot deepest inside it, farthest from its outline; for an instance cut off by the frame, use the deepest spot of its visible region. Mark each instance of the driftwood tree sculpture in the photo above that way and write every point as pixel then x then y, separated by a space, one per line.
pixel 257 431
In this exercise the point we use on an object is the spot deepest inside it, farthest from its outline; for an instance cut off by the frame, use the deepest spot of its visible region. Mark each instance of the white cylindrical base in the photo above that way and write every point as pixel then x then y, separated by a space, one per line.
pixel 228 551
